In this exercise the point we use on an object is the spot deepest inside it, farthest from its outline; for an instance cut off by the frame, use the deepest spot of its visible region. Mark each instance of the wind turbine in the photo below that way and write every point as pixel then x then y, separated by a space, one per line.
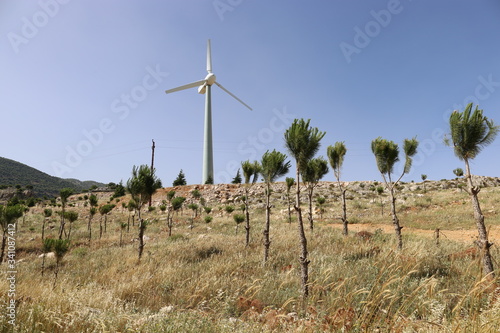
pixel 205 87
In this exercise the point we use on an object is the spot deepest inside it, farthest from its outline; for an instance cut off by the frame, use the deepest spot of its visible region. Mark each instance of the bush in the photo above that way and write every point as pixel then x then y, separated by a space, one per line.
pixel 239 218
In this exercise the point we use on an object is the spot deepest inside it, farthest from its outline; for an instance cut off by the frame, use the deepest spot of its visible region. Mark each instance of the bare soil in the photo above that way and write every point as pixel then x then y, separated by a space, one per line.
pixel 468 235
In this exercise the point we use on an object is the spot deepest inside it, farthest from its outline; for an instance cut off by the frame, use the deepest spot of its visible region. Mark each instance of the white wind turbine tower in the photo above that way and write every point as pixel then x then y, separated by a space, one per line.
pixel 205 86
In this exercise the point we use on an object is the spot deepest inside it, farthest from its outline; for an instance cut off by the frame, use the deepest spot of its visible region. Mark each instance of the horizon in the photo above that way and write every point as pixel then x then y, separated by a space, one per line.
pixel 260 181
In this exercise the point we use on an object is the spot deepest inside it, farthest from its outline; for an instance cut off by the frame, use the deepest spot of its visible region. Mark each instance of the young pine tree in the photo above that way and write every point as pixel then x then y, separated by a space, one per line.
pixel 302 142
pixel 470 132
pixel 336 155
pixel 272 166
pixel 386 155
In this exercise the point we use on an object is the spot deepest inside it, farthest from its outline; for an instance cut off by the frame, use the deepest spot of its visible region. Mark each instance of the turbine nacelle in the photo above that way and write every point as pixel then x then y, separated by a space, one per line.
pixel 209 80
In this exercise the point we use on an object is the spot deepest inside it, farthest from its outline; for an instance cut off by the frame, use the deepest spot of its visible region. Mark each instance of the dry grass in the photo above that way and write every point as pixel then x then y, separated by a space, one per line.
pixel 205 280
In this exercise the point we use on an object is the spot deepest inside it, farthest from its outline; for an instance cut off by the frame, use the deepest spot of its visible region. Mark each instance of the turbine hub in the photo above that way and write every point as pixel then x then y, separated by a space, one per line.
pixel 210 78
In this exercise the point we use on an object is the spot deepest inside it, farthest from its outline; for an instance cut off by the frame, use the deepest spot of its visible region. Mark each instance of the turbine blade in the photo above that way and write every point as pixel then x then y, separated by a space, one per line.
pixel 239 100
pixel 209 57
pixel 186 86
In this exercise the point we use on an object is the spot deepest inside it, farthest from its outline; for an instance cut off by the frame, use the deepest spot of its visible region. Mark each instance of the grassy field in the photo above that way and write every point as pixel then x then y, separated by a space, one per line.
pixel 204 279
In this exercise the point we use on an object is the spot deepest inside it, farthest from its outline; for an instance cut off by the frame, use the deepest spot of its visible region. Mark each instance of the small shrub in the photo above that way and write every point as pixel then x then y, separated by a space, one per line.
pixel 202 254
pixel 80 252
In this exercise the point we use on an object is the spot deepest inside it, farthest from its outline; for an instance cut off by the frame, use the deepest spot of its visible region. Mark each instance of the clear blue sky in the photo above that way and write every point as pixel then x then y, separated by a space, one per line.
pixel 82 82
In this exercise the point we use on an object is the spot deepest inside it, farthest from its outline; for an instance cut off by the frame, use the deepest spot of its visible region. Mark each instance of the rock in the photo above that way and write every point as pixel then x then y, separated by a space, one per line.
pixel 10 192
pixel 167 309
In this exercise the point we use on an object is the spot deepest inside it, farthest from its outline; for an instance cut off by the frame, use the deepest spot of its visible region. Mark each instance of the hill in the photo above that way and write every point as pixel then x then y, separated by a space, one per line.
pixel 202 277
pixel 14 173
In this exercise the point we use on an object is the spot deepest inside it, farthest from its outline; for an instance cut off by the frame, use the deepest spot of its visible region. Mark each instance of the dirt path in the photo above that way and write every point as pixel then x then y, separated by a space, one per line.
pixel 457 235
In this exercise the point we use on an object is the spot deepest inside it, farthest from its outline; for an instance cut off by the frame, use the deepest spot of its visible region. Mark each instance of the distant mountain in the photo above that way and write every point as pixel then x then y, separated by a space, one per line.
pixel 13 173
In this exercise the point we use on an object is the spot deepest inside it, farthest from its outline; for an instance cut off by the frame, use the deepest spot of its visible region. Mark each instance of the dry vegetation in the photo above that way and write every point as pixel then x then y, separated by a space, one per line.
pixel 203 279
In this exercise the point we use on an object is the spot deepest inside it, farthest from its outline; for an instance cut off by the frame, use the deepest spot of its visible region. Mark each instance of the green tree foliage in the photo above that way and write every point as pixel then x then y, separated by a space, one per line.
pixel 336 154
pixel 272 166
pixel 60 248
pixel 47 212
pixel 380 190
pixel 180 180
pixel 142 185
pixel 93 202
pixel 131 206
pixel 8 217
pixel 237 179
pixel 320 201
pixel 250 173
pixel 104 210
pixel 458 172
pixel 386 155
pixel 194 208
pixel 196 194
pixel 238 218
pixel 119 190
pixel 65 193
pixel 210 180
pixel 314 171
pixel 302 142
pixel 470 133
pixel 176 204
pixel 71 216
pixel 170 196
pixel 229 209
pixel 424 178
